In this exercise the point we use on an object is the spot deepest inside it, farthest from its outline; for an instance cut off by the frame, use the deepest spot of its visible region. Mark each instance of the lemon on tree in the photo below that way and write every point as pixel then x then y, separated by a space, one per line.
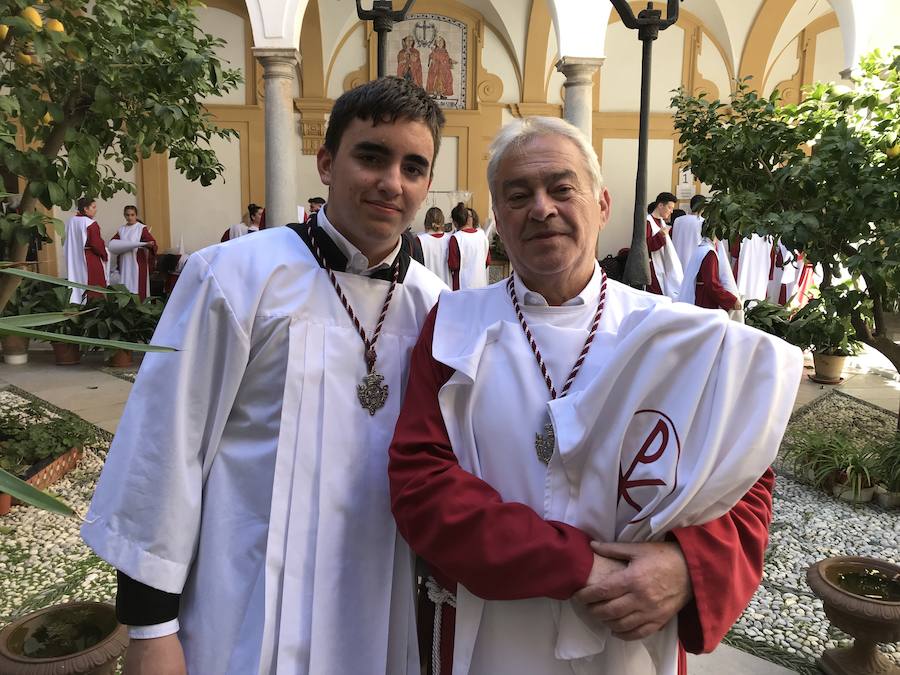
pixel 32 16
pixel 55 25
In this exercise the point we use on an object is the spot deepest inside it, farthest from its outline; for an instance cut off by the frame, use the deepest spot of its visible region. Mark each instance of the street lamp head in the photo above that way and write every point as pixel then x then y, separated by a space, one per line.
pixel 382 9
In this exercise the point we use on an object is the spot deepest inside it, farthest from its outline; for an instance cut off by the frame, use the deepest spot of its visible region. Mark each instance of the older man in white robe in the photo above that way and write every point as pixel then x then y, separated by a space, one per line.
pixel 584 466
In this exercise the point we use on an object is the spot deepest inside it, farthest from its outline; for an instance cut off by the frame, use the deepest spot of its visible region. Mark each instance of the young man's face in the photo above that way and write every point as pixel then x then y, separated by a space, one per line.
pixel 377 180
pixel 314 207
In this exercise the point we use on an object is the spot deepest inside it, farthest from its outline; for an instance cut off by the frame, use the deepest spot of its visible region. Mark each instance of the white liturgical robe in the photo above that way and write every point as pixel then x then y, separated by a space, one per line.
pixel 668 267
pixel 674 415
pixel 473 254
pixel 246 476
pixel 754 264
pixel 434 250
pixel 685 237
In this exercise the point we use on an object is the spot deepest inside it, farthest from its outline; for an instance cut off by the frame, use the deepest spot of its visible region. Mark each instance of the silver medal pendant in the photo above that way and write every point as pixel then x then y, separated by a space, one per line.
pixel 372 392
pixel 545 443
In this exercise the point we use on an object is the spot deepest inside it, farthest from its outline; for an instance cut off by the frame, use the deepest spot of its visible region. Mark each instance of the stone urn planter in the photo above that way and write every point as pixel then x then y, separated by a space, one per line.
pixel 80 638
pixel 861 596
pixel 828 368
pixel 886 498
pixel 15 350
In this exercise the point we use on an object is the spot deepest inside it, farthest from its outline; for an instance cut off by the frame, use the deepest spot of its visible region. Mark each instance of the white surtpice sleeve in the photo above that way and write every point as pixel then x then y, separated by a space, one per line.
pixel 145 515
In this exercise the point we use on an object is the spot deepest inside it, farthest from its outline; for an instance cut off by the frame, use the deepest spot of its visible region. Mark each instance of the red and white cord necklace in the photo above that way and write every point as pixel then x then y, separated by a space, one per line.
pixel 545 443
pixel 371 391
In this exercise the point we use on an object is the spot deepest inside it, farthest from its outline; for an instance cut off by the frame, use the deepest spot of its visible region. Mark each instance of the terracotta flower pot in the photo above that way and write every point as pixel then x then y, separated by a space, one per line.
pixel 80 638
pixel 828 367
pixel 15 349
pixel 861 596
pixel 66 353
pixel 121 358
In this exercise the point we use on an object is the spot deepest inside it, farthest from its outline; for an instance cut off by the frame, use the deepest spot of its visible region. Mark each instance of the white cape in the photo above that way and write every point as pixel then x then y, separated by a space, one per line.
pixel 685 236
pixel 754 263
pixel 73 247
pixel 434 251
pixel 666 264
pixel 473 252
pixel 726 277
pixel 126 248
pixel 702 415
pixel 245 474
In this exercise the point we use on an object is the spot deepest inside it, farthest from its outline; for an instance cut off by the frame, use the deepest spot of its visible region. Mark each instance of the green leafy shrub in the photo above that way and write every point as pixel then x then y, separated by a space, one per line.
pixel 23 444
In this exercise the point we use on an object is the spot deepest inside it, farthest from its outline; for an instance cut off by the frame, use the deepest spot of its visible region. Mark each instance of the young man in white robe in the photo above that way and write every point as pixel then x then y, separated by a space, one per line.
pixel 87 260
pixel 135 250
pixel 469 251
pixel 434 242
pixel 245 500
pixel 583 466
pixel 665 267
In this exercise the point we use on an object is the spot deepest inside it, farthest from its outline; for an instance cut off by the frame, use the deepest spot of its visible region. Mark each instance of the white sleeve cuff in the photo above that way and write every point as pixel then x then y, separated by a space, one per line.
pixel 155 630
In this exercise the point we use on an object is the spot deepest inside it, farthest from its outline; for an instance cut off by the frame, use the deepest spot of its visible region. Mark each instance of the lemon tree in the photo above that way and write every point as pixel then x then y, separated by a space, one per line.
pixel 89 85
pixel 824 176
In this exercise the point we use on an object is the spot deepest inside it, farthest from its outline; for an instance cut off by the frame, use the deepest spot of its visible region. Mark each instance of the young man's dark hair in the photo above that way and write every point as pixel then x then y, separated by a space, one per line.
pixel 459 215
pixel 664 198
pixel 697 202
pixel 386 99
pixel 84 202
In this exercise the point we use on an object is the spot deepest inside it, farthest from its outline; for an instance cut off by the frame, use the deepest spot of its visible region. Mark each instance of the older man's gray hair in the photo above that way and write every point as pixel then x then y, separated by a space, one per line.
pixel 517 133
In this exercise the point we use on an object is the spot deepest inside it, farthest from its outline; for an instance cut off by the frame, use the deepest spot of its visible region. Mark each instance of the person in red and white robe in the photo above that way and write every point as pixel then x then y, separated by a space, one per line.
pixel 469 252
pixel 87 260
pixel 557 543
pixel 435 245
pixel 665 267
pixel 255 222
pixel 708 281
pixel 138 253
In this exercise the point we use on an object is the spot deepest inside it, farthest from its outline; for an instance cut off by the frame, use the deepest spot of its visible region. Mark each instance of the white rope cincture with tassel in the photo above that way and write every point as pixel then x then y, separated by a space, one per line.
pixel 440 596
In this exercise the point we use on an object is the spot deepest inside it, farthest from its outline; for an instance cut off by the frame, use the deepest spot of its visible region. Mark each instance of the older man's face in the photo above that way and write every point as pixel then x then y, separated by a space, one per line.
pixel 545 208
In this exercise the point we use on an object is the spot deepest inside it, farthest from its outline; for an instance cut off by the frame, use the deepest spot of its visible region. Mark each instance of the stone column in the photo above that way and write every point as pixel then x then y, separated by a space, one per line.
pixel 579 87
pixel 282 146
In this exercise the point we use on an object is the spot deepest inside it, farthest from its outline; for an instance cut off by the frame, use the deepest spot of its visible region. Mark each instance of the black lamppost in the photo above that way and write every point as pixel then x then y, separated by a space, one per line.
pixel 648 23
pixel 382 15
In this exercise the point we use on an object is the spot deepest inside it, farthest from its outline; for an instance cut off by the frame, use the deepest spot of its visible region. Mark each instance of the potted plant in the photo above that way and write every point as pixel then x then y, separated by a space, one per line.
pixel 55 299
pixel 887 490
pixel 855 472
pixel 121 316
pixel 768 317
pixel 22 303
pixel 834 462
pixel 829 334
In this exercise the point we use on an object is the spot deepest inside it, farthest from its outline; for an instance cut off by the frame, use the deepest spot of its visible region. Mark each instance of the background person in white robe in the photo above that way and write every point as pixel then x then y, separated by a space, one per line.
pixel 469 254
pixel 685 234
pixel 665 267
pixel 254 219
pixel 754 267
pixel 138 254
pixel 434 243
pixel 87 260
pixel 500 484
pixel 244 500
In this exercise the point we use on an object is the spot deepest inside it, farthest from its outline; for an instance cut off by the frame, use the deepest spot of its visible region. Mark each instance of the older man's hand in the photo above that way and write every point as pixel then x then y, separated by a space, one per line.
pixel 637 600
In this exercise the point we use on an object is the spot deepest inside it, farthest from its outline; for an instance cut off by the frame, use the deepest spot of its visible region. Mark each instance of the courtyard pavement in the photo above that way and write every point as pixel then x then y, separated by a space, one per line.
pixel 99 398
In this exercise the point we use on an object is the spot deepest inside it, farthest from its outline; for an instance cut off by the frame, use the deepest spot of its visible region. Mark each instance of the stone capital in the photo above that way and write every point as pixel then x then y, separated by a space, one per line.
pixel 278 62
pixel 578 70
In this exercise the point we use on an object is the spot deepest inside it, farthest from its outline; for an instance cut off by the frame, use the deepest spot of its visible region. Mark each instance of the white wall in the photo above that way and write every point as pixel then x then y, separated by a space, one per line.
pixel 619 169
pixel 829 56
pixel 496 61
pixel 201 214
pixel 799 17
pixel 353 54
pixel 229 27
pixel 445 172
pixel 712 67
pixel 620 90
pixel 784 67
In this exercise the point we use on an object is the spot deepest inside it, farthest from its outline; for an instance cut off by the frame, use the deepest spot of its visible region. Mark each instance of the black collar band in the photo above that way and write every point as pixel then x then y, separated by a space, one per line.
pixel 335 258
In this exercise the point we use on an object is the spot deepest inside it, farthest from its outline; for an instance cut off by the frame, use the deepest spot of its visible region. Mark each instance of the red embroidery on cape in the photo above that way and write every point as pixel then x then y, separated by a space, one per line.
pixel 661 445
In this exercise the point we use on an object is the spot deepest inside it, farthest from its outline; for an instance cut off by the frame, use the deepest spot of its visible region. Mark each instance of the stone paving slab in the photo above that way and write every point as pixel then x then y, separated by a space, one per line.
pixel 727 660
